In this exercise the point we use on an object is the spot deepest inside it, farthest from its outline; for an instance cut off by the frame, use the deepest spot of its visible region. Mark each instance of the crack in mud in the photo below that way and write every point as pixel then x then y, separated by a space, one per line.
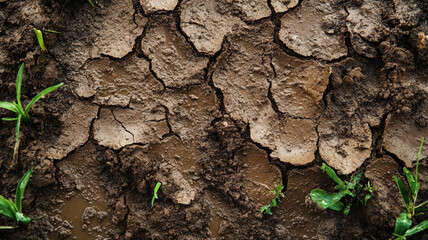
pixel 124 128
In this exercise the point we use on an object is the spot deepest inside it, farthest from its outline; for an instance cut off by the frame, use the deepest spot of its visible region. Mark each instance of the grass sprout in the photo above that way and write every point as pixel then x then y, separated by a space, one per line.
pixel 409 194
pixel 12 209
pixel 353 188
pixel 39 36
pixel 155 192
pixel 16 107
pixel 274 202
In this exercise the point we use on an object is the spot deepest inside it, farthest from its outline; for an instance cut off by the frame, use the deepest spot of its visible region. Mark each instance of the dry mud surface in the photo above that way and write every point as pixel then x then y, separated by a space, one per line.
pixel 219 101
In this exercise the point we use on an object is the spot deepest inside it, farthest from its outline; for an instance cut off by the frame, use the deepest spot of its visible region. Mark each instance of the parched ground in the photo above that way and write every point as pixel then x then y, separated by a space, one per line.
pixel 220 101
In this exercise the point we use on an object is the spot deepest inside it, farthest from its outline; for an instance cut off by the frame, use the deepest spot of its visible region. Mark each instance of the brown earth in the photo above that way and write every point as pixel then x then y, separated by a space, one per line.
pixel 219 101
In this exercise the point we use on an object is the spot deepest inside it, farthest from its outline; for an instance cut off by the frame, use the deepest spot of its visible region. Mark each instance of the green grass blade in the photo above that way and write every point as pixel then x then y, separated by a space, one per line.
pixel 39 36
pixel 6 208
pixel 18 88
pixel 90 1
pixel 9 106
pixel 155 195
pixel 402 224
pixel 420 205
pixel 403 191
pixel 331 173
pixel 9 119
pixel 52 31
pixel 418 228
pixel 40 95
pixel 411 181
pixel 7 227
pixel 18 125
pixel 21 188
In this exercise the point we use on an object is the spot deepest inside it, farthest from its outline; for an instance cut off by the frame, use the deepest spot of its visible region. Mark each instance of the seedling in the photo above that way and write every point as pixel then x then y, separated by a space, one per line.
pixel 409 194
pixel 14 209
pixel 39 36
pixel 353 188
pixel 155 192
pixel 17 108
pixel 274 202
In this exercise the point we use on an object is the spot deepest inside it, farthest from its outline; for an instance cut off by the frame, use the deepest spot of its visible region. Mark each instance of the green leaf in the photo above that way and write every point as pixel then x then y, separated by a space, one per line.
pixel 6 208
pixel 418 228
pixel 411 181
pixel 402 224
pixel 338 206
pixel 39 36
pixel 347 209
pixel 9 119
pixel 366 198
pixel 355 180
pixel 266 209
pixel 40 95
pixel 155 195
pixel 18 88
pixel 20 217
pixel 331 173
pixel 21 188
pixel 90 1
pixel 9 106
pixel 403 191
pixel 327 200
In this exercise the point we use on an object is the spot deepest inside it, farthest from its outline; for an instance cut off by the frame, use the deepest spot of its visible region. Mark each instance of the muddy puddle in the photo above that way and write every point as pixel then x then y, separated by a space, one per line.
pixel 81 213
pixel 218 210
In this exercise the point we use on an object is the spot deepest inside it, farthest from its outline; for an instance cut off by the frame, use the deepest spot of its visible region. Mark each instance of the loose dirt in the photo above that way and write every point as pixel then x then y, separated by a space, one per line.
pixel 220 101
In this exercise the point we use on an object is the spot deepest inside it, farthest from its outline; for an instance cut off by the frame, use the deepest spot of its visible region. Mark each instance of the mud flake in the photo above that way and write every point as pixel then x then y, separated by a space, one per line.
pixel 345 153
pixel 243 75
pixel 281 6
pixel 243 78
pixel 185 152
pixel 144 123
pixel 408 13
pixel 366 21
pixel 205 25
pixel 253 9
pixel 298 86
pixel 172 58
pixel 292 140
pixel 312 30
pixel 75 129
pixel 403 134
pixel 109 132
pixel 151 6
pixel 116 83
pixel 112 32
pixel 191 112
pixel 260 175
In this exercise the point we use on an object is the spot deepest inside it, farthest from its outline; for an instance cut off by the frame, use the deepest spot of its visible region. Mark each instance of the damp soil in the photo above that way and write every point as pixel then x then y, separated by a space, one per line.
pixel 220 101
